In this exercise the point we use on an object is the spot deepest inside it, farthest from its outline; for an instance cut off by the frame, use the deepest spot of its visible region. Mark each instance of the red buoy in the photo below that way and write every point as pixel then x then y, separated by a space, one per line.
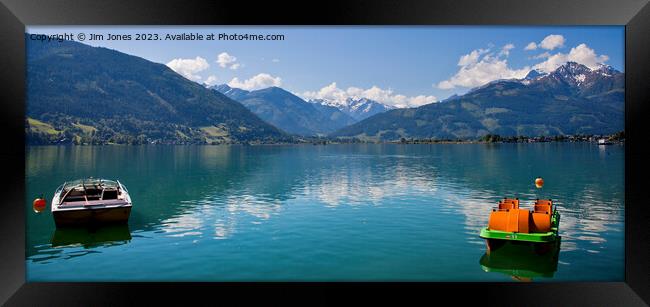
pixel 39 204
pixel 539 182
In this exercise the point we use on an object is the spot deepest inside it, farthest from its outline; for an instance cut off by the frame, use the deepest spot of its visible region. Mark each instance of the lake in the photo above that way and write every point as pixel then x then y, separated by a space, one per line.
pixel 363 212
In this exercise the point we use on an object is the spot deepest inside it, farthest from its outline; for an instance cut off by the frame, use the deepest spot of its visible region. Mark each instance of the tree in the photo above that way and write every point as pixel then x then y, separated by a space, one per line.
pixel 492 138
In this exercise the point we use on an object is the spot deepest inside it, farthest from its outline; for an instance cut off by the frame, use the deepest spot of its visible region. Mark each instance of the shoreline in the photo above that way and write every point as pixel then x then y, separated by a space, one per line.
pixel 598 139
pixel 612 143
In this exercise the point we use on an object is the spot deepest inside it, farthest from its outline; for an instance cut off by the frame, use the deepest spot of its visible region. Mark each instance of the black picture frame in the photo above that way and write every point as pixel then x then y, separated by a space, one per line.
pixel 633 14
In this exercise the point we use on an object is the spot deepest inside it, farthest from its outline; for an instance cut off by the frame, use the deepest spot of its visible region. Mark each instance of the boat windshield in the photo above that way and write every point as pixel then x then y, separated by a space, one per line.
pixel 90 189
pixel 90 183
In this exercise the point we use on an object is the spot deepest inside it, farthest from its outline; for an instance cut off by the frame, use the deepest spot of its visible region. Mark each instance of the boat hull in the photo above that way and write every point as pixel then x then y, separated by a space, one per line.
pixel 91 216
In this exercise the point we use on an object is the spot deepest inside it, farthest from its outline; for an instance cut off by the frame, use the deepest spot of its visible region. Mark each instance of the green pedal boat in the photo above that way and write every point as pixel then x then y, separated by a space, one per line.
pixel 508 222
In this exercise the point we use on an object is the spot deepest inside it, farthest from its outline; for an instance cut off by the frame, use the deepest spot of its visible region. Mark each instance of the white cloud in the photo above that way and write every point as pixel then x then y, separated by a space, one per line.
pixel 506 49
pixel 386 96
pixel 580 54
pixel 475 71
pixel 275 60
pixel 226 60
pixel 471 57
pixel 541 55
pixel 552 41
pixel 420 100
pixel 531 46
pixel 586 56
pixel 211 80
pixel 256 82
pixel 329 92
pixel 445 85
pixel 189 68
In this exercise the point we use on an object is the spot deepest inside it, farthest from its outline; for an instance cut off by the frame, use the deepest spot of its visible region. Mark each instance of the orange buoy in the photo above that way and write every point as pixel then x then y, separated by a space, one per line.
pixel 539 182
pixel 39 204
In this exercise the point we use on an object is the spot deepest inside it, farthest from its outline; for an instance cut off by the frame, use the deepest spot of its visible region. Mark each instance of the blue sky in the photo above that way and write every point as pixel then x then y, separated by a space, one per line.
pixel 399 65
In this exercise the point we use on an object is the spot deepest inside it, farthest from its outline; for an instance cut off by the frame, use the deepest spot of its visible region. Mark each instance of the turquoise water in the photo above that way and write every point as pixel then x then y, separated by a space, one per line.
pixel 333 213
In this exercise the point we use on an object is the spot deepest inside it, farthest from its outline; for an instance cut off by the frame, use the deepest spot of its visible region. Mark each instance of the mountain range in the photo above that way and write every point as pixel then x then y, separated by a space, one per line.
pixel 357 108
pixel 288 111
pixel 83 94
pixel 303 117
pixel 573 99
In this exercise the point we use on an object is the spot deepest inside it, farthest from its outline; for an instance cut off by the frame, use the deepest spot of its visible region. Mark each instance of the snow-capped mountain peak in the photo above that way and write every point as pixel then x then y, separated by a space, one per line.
pixel 232 92
pixel 357 107
pixel 605 70
pixel 571 74
pixel 580 75
pixel 571 69
pixel 535 73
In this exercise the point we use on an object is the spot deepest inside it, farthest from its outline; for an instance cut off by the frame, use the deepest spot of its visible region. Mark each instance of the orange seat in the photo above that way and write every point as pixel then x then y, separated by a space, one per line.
pixel 541 217
pixel 543 206
pixel 507 206
pixel 540 222
pixel 542 209
pixel 514 220
pixel 524 221
pixel 509 203
pixel 498 220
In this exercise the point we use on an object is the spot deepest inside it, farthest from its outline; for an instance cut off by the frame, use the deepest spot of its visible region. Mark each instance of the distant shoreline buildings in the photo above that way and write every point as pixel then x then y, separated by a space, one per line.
pixel 600 139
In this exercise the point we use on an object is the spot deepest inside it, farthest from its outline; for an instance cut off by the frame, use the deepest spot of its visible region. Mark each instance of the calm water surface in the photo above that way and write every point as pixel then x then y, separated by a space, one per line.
pixel 335 212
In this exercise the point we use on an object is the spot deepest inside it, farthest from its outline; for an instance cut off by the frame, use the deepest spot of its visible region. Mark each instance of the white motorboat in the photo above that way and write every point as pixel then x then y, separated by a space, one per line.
pixel 91 201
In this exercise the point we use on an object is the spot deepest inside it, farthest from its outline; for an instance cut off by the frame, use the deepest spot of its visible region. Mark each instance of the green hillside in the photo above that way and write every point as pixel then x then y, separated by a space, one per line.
pixel 98 96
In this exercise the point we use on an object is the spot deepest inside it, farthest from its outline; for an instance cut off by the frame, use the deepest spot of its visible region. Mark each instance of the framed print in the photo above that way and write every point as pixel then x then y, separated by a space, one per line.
pixel 176 150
